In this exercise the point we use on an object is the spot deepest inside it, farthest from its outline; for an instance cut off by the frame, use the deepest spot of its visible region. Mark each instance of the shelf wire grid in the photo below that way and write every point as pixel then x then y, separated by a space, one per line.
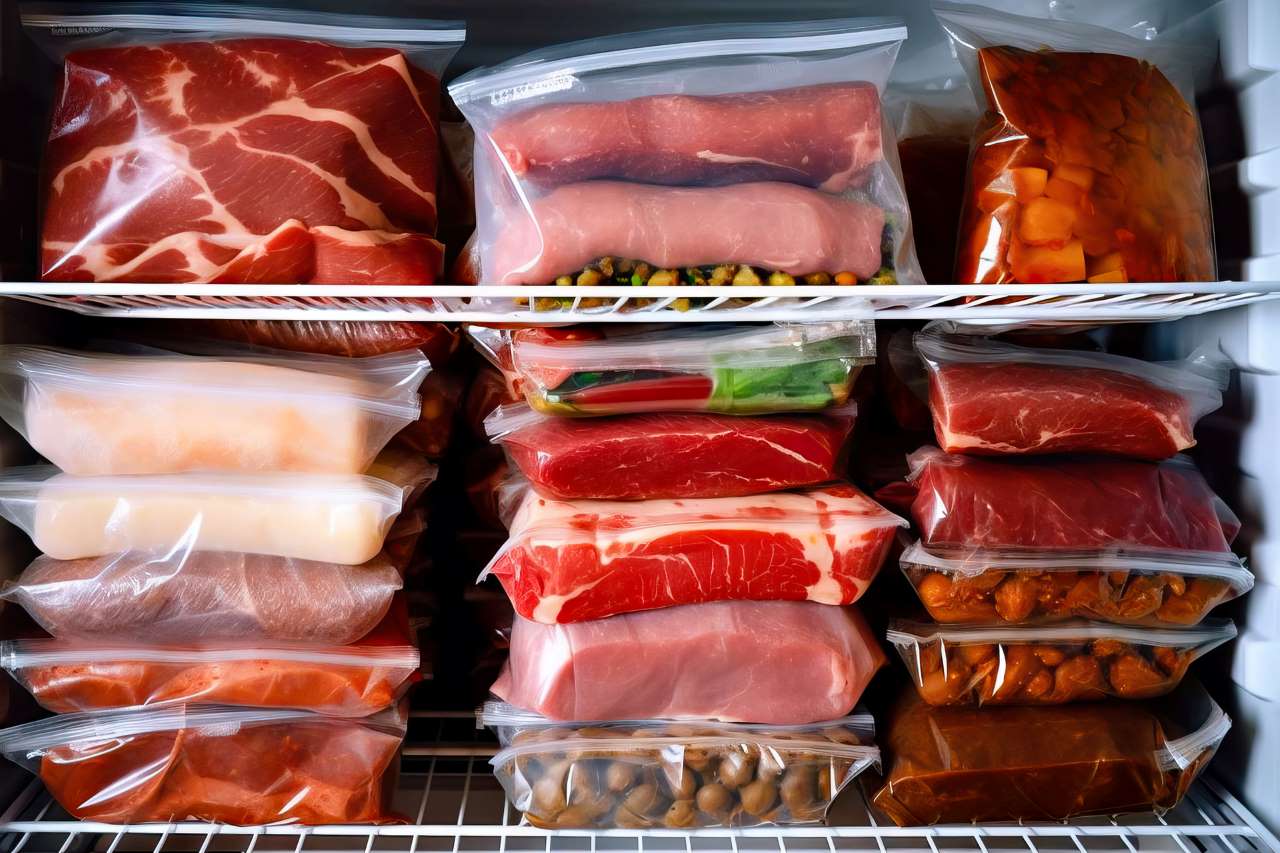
pixel 454 804
pixel 545 305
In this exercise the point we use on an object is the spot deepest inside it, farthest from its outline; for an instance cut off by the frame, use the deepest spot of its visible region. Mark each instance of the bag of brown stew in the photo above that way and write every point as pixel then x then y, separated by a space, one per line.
pixel 1088 164
pixel 1053 762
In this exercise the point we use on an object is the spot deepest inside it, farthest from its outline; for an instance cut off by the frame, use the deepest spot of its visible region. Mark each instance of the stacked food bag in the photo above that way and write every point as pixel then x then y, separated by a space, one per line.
pixel 724 155
pixel 1071 556
pixel 681 548
pixel 223 541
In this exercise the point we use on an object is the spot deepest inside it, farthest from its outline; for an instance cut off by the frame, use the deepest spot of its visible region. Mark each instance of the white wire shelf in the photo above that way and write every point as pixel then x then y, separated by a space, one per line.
pixel 455 804
pixel 545 305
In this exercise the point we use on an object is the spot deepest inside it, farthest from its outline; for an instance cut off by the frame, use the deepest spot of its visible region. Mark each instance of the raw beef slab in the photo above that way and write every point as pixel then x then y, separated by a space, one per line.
pixel 825 136
pixel 967 502
pixel 778 662
pixel 691 455
pixel 242 161
pixel 1002 408
pixel 569 561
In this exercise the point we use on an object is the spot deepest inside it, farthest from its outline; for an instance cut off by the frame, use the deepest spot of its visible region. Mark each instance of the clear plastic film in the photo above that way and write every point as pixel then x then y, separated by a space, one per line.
pixel 155 412
pixel 776 662
pixel 1009 585
pixel 673 455
pixel 658 773
pixel 347 338
pixel 1088 165
pixel 259 164
pixel 241 766
pixel 1049 665
pixel 730 369
pixel 322 517
pixel 569 561
pixel 1049 763
pixel 749 154
pixel 353 680
pixel 989 397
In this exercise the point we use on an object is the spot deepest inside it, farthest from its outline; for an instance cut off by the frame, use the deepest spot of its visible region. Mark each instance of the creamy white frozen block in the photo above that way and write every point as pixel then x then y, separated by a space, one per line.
pixel 331 518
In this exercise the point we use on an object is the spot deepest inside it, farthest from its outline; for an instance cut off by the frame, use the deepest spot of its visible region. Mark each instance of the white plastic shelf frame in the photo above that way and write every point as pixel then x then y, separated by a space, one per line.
pixel 454 804
pixel 559 305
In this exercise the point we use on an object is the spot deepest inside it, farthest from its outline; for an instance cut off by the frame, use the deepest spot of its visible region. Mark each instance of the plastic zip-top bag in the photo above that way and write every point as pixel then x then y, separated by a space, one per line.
pixel 156 412
pixel 804 662
pixel 1049 665
pixel 353 680
pixel 569 561
pixel 324 517
pixel 746 154
pixel 284 146
pixel 1048 763
pixel 994 585
pixel 990 397
pixel 241 766
pixel 731 369
pixel 658 773
pixel 1088 164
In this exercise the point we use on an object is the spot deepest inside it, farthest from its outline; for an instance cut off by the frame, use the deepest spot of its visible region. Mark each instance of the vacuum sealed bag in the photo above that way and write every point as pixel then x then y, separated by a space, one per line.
pixel 1082 504
pixel 283 147
pixel 992 585
pixel 1088 164
pixel 677 455
pixel 246 410
pixel 182 596
pixel 342 681
pixel 323 517
pixel 347 338
pixel 744 154
pixel 1049 665
pixel 732 369
pixel 780 662
pixel 989 397
pixel 241 766
pixel 1058 762
pixel 569 561
pixel 658 773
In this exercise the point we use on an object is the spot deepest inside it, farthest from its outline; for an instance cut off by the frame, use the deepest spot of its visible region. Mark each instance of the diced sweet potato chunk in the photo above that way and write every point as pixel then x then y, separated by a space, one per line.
pixel 1028 182
pixel 1037 264
pixel 1046 221
pixel 1081 176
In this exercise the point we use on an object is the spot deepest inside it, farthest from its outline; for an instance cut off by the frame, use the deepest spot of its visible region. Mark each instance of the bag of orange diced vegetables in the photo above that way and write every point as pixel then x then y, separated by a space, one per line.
pixel 1088 163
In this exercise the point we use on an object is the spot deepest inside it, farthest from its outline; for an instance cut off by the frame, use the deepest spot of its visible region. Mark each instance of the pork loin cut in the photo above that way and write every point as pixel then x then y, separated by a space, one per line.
pixel 824 136
pixel 568 561
pixel 786 663
pixel 242 161
pixel 776 226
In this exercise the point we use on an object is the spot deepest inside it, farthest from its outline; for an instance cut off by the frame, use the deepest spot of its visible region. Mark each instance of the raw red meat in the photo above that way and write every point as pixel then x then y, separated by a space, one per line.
pixel 1075 504
pixel 353 339
pixel 778 662
pixel 776 226
pixel 572 561
pixel 687 455
pixel 244 160
pixel 825 136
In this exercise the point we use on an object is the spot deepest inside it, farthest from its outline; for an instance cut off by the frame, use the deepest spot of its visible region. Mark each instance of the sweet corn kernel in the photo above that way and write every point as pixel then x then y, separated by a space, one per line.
pixel 780 279
pixel 589 278
pixel 746 275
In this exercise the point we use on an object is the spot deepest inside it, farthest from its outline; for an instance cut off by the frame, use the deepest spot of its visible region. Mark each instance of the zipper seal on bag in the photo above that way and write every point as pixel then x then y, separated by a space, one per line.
pixel 1211 631
pixel 248 20
pixel 1180 753
pixel 864 754
pixel 536 76
pixel 21 654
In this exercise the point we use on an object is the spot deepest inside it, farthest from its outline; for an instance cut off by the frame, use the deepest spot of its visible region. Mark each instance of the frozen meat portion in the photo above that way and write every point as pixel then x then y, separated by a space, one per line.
pixel 777 226
pixel 759 661
pixel 568 561
pixel 825 136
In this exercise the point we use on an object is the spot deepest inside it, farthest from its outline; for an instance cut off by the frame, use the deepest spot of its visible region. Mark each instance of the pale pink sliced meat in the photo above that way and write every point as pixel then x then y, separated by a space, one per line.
pixel 825 136
pixel 772 225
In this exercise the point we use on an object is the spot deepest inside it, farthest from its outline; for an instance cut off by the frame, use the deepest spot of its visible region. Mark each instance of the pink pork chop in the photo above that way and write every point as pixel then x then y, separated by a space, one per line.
pixel 776 226
pixel 778 662
pixel 826 136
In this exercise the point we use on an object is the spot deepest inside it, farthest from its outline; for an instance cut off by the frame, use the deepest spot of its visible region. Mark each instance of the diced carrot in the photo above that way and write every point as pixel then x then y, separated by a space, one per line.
pixel 1109 277
pixel 1046 221
pixel 1081 176
pixel 1028 182
pixel 1043 264
pixel 1063 190
pixel 1109 262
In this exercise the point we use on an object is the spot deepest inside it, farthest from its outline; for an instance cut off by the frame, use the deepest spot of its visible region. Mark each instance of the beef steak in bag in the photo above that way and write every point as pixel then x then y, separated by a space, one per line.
pixel 252 146
pixel 751 154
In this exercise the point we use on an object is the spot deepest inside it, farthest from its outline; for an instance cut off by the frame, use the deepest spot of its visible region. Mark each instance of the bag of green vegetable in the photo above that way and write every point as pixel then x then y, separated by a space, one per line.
pixel 735 369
